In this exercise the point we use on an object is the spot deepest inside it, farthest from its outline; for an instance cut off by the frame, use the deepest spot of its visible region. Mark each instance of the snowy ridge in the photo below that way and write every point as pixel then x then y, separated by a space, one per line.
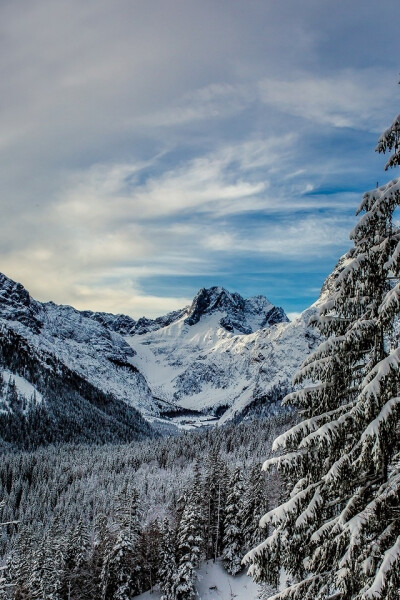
pixel 83 345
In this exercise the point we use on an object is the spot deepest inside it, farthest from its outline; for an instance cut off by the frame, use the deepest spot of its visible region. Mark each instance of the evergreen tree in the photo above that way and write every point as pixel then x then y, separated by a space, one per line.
pixel 127 512
pixel 76 579
pixel 190 543
pixel 43 574
pixel 18 565
pixel 167 561
pixel 337 536
pixel 102 544
pixel 116 577
pixel 254 507
pixel 122 574
pixel 215 481
pixel 232 552
pixel 149 554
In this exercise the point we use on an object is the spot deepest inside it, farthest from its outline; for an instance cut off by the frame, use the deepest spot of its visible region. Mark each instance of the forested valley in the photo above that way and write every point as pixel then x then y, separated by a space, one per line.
pixel 112 521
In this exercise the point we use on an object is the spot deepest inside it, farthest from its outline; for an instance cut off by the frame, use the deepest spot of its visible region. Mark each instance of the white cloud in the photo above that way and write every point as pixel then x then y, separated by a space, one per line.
pixel 288 238
pixel 215 101
pixel 342 99
pixel 221 182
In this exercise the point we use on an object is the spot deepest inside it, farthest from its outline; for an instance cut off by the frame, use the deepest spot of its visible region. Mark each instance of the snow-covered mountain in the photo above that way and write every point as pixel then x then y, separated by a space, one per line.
pixel 224 355
pixel 221 356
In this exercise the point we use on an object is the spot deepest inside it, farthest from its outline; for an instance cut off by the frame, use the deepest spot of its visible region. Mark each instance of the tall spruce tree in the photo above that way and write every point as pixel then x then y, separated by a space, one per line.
pixel 118 567
pixel 232 552
pixel 337 536
pixel 215 481
pixel 190 543
pixel 167 561
pixel 254 507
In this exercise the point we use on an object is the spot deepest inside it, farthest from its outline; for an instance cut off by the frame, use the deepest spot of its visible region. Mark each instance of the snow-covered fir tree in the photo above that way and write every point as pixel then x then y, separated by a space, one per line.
pixel 337 535
pixel 149 554
pixel 116 577
pixel 215 482
pixel 232 552
pixel 76 579
pixel 17 568
pixel 167 561
pixel 190 543
pixel 254 507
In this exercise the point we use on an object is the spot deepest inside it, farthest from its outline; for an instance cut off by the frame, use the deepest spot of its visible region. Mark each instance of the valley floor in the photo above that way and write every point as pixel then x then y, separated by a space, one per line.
pixel 215 584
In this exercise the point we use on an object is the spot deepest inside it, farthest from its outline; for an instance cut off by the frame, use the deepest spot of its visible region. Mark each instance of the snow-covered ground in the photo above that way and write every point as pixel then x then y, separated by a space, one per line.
pixel 215 584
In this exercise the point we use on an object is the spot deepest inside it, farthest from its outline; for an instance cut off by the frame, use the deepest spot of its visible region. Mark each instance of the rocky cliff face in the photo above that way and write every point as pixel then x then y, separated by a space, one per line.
pixel 239 315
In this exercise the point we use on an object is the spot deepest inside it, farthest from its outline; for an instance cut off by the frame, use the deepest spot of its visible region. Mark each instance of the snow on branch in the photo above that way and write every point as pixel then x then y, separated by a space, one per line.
pixel 326 432
pixel 278 461
pixel 394 260
pixel 372 382
pixel 297 591
pixel 309 425
pixel 300 397
pixel 373 199
pixel 391 303
pixel 374 427
pixel 390 140
pixel 338 466
pixel 323 530
pixel 324 350
pixel 311 510
pixel 271 541
pixel 279 514
pixel 391 561
pixel 351 270
pixel 314 370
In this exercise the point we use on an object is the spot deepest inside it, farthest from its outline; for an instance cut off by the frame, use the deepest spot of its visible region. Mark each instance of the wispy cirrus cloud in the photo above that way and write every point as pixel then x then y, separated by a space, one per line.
pixel 343 99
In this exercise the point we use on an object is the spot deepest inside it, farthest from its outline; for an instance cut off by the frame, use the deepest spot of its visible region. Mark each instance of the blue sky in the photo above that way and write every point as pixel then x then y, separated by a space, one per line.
pixel 150 148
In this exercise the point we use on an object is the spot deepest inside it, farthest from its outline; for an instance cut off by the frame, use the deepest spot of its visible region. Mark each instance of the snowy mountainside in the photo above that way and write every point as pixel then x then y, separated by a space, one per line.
pixel 199 365
pixel 64 377
pixel 16 389
pixel 218 358
pixel 83 345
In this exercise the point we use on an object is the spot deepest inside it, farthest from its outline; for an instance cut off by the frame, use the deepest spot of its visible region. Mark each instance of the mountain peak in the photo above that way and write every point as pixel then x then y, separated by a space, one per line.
pixel 212 299
pixel 16 303
pixel 240 315
pixel 13 292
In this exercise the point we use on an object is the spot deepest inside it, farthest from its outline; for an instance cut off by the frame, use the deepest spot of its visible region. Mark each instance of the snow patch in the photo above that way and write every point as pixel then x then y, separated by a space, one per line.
pixel 23 387
pixel 215 584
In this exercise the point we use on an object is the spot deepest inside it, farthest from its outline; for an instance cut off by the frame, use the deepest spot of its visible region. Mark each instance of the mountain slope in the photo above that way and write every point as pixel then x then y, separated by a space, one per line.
pixel 80 370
